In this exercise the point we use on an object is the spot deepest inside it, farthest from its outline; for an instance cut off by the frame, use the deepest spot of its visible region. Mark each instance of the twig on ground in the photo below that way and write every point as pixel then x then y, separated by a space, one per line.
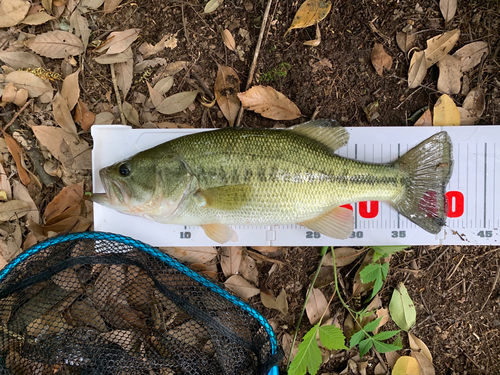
pixel 117 94
pixel 186 35
pixel 255 57
pixel 493 286
pixel 435 260
pixel 381 360
pixel 455 268
pixel 202 85
pixel 16 115
pixel 408 97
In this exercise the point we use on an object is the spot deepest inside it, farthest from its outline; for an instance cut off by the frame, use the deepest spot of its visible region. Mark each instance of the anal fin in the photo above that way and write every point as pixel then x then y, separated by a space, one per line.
pixel 337 223
pixel 220 233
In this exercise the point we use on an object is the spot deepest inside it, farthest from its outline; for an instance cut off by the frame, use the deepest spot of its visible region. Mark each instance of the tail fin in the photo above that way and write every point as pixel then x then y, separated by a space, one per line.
pixel 428 166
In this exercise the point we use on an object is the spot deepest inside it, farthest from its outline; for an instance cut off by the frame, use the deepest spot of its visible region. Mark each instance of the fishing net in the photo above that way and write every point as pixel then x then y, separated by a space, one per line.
pixel 102 304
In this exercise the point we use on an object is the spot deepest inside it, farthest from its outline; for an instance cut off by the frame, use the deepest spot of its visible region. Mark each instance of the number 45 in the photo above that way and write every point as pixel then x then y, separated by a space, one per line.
pixel 485 233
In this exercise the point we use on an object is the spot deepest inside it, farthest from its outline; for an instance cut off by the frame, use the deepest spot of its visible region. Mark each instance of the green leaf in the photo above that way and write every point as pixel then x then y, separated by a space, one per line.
pixel 332 337
pixel 377 286
pixel 370 273
pixel 308 356
pixel 398 341
pixel 402 308
pixel 384 251
pixel 370 327
pixel 385 335
pixel 364 346
pixel 383 347
pixel 385 270
pixel 356 338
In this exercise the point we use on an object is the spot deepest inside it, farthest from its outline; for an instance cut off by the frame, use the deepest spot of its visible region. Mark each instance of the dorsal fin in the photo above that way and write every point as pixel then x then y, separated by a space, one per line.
pixel 325 131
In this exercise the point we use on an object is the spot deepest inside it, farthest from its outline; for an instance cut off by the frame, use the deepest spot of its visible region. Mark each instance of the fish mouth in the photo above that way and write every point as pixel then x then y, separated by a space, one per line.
pixel 116 193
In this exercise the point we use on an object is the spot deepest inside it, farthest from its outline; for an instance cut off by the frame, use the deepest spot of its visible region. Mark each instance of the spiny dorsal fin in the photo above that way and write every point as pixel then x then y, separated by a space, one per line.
pixel 325 131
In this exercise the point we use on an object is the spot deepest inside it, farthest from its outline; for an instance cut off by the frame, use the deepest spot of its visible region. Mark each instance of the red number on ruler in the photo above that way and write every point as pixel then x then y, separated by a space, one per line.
pixel 455 203
pixel 368 214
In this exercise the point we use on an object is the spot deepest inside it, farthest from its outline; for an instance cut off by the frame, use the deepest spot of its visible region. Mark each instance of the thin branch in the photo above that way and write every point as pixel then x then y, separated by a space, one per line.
pixel 17 114
pixel 255 57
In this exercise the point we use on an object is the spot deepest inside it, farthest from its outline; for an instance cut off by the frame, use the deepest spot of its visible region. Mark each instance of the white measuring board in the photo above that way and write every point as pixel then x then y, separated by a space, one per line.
pixel 473 217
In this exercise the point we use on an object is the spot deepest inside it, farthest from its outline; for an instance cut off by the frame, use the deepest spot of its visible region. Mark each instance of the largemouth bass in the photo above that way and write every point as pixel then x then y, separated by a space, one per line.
pixel 274 177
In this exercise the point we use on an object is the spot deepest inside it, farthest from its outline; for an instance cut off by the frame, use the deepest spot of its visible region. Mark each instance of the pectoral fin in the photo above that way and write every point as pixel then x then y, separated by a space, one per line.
pixel 229 197
pixel 220 233
pixel 338 223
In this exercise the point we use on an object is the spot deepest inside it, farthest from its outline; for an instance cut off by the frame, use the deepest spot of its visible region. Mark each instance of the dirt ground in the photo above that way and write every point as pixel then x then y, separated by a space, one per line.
pixel 455 289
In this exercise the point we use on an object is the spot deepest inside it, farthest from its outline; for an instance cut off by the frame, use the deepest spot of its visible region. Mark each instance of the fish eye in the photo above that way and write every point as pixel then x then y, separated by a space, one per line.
pixel 124 169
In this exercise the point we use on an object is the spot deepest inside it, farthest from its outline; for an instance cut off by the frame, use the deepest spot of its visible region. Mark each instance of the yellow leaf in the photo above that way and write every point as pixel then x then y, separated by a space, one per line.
pixel 446 112
pixel 406 366
pixel 309 13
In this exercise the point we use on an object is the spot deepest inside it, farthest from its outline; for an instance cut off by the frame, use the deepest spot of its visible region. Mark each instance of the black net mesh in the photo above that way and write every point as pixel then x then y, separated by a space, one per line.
pixel 94 303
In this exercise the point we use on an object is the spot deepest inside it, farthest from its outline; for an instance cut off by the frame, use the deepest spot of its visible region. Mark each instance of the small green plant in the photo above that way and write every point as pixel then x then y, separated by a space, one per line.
pixel 276 73
pixel 308 357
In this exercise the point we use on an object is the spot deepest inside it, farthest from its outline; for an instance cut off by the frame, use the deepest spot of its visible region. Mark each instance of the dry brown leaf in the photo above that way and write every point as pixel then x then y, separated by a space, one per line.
pixel 151 63
pixel 164 85
pixel 69 196
pixel 418 69
pixel 119 41
pixel 269 103
pixel 241 287
pixel 72 224
pixel 440 45
pixel 466 116
pixel 131 114
pixel 18 60
pixel 116 58
pixel 316 305
pixel 191 254
pixel 309 13
pixel 177 102
pixel 14 209
pixel 72 211
pixel 266 249
pixel 93 4
pixel 168 41
pixel 343 256
pixel 71 90
pixel 21 193
pixel 380 59
pixel 56 44
pixel 83 115
pixel 155 96
pixel 13 11
pixel 29 241
pixel 227 87
pixel 111 5
pixel 37 18
pixel 405 41
pixel 62 114
pixel 3 262
pixel 279 303
pixel 80 25
pixel 419 345
pixel 230 259
pixel 426 366
pixel 448 9
pixel 104 118
pixel 47 5
pixel 248 269
pixel 425 119
pixel 30 82
pixel 124 75
pixel 445 112
pixel 15 151
pixel 392 358
pixel 12 95
pixel 72 152
pixel 471 54
pixel 228 39
pixel 314 42
pixel 5 183
pixel 475 101
pixel 449 75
